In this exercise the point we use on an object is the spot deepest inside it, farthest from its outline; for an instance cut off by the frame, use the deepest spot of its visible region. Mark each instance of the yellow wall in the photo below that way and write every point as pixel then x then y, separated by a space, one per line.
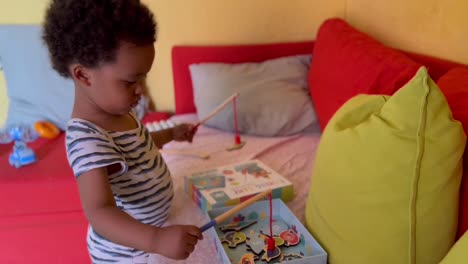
pixel 202 22
pixel 425 26
pixel 431 27
pixel 199 22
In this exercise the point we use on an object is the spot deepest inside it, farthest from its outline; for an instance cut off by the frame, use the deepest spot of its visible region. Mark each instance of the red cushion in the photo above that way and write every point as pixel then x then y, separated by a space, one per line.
pixel 155 116
pixel 183 56
pixel 435 66
pixel 40 209
pixel 45 186
pixel 44 238
pixel 346 62
pixel 454 85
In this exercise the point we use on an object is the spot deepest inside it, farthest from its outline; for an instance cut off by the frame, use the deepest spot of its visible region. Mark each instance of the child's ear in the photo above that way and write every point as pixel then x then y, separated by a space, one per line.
pixel 80 74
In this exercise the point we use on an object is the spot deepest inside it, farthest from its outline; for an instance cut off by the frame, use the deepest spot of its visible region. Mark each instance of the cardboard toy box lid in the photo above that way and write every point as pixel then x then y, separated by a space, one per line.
pixel 232 184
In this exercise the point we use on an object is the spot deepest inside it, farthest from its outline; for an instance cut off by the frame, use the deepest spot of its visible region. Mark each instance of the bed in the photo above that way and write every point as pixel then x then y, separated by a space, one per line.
pixel 40 204
pixel 291 156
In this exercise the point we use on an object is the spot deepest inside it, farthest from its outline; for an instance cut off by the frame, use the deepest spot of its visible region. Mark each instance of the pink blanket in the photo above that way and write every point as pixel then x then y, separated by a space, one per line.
pixel 293 157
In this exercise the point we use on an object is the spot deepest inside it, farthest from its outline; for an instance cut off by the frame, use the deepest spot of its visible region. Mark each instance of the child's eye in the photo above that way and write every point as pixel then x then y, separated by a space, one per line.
pixel 130 82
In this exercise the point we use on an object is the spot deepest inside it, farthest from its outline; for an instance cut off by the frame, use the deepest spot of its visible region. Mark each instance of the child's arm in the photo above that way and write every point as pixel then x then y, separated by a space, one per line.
pixel 182 132
pixel 108 220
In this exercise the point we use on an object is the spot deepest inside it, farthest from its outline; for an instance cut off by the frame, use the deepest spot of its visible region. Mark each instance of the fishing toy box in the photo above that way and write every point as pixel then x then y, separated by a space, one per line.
pixel 242 237
pixel 235 183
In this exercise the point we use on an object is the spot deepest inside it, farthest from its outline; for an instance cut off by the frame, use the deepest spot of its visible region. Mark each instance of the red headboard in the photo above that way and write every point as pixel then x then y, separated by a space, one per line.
pixel 435 66
pixel 183 56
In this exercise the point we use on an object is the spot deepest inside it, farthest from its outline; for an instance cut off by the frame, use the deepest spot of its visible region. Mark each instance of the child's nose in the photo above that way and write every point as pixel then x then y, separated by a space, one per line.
pixel 139 88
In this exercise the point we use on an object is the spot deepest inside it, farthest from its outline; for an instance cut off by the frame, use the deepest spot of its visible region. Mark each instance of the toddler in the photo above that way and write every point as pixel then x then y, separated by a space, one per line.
pixel 107 48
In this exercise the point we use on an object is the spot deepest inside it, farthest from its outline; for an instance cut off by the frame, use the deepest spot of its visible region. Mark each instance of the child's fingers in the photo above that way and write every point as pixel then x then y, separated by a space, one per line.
pixel 190 138
pixel 191 130
pixel 192 240
pixel 195 231
pixel 189 248
pixel 194 129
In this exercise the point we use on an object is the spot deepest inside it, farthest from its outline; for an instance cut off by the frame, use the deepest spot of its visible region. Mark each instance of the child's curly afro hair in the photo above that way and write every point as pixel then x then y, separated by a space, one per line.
pixel 89 31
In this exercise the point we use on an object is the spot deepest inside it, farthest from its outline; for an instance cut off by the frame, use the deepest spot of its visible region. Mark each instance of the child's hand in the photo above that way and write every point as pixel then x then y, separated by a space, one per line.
pixel 183 132
pixel 177 241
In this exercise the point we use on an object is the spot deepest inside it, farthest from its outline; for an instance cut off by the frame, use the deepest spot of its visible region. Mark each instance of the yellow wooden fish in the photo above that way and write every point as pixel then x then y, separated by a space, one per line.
pixel 248 258
pixel 234 238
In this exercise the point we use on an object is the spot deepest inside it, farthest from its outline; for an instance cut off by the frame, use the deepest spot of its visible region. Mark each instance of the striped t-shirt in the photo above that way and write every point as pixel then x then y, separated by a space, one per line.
pixel 143 187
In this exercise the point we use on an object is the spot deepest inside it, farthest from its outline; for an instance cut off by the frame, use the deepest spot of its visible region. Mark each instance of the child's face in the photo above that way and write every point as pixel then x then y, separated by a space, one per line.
pixel 116 87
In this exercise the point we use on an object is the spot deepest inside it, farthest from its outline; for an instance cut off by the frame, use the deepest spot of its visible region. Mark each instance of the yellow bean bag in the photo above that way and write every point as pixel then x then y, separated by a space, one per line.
pixel 384 189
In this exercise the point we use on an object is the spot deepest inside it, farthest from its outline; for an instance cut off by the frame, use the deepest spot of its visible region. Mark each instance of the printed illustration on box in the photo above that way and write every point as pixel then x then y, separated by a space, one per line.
pixel 232 184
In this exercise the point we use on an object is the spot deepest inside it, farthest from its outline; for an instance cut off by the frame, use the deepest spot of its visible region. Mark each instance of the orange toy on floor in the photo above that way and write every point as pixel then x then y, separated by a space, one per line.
pixel 46 129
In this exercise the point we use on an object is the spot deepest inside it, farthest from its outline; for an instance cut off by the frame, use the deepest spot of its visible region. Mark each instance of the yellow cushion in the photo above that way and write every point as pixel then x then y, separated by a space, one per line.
pixel 385 184
pixel 459 253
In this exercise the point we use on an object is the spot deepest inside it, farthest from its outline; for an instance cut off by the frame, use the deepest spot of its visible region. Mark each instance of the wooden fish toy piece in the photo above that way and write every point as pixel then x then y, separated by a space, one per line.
pixel 234 238
pixel 290 236
pixel 237 226
pixel 291 256
pixel 278 240
pixel 271 255
pixel 256 244
pixel 248 258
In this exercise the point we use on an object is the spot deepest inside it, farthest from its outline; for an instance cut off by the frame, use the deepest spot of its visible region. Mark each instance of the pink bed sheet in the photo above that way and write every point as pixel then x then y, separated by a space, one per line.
pixel 293 157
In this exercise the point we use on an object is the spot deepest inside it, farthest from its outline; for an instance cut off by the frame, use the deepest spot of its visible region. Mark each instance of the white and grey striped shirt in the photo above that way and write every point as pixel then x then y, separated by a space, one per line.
pixel 143 187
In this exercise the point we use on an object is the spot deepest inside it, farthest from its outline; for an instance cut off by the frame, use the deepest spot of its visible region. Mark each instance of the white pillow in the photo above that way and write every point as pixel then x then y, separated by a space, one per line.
pixel 273 97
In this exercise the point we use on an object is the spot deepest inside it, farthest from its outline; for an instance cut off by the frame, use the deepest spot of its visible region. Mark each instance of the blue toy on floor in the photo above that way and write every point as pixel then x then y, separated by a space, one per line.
pixel 21 155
